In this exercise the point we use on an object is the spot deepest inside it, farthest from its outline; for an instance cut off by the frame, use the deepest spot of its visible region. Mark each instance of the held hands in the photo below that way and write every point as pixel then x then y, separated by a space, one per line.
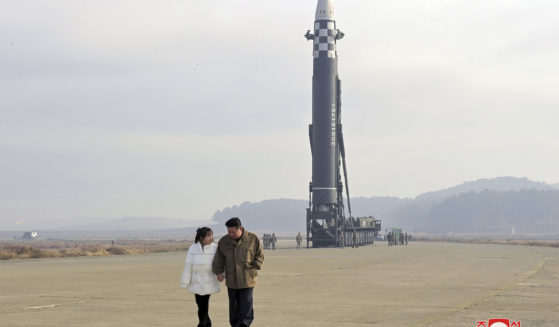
pixel 220 277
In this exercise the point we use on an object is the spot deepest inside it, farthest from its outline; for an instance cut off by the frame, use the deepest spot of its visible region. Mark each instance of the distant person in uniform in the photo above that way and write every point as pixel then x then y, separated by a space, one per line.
pixel 389 238
pixel 299 240
pixel 274 240
pixel 238 258
pixel 406 238
pixel 197 274
pixel 401 238
pixel 265 240
pixel 341 240
pixel 354 238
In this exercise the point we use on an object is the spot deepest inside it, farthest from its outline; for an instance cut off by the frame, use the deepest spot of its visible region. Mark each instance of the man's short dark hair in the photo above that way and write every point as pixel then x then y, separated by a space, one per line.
pixel 233 222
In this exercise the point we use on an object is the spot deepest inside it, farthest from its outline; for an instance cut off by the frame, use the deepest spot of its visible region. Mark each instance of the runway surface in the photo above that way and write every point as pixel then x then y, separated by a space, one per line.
pixel 423 284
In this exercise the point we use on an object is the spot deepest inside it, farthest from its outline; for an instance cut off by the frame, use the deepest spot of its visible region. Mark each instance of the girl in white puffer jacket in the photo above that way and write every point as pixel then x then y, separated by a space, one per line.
pixel 197 275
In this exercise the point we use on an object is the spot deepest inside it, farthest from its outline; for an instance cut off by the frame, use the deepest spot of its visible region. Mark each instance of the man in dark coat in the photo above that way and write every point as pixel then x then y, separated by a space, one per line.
pixel 238 258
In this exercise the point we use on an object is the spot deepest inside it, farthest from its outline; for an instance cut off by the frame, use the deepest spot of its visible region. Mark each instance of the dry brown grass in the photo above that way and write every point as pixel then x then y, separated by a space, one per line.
pixel 487 240
pixel 64 248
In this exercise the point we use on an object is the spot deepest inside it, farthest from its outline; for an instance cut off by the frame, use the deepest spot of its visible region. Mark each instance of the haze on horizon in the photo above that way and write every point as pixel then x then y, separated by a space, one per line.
pixel 177 109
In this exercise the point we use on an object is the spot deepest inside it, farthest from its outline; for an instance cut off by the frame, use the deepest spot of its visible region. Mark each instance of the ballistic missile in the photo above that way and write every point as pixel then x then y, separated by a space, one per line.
pixel 326 105
pixel 327 223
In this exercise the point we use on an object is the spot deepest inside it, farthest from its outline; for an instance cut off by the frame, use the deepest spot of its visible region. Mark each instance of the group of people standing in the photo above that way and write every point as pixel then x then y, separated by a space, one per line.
pixel 342 242
pixel 235 259
pixel 394 238
pixel 269 241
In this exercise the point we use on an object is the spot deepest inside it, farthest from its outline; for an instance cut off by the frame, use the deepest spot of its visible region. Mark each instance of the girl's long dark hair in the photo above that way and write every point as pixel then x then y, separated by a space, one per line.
pixel 201 233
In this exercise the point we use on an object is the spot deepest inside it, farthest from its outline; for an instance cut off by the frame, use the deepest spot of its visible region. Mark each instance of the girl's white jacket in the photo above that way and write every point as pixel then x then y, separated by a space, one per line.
pixel 197 275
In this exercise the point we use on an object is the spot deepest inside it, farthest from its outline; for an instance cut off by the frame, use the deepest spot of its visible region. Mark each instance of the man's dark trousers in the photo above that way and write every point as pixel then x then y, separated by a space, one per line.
pixel 203 302
pixel 241 313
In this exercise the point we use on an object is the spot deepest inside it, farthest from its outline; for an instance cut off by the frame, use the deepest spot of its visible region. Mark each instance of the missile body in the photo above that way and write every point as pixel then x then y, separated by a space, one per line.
pixel 325 107
pixel 326 202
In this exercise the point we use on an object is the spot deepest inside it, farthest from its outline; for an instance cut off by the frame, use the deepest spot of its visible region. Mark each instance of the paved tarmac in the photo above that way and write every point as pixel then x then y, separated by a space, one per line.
pixel 423 285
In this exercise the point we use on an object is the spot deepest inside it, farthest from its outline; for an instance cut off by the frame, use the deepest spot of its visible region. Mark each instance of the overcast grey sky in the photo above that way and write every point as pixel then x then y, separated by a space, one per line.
pixel 179 108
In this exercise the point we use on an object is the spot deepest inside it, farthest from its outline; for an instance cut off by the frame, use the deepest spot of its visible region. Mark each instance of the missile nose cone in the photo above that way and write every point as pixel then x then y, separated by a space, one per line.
pixel 324 10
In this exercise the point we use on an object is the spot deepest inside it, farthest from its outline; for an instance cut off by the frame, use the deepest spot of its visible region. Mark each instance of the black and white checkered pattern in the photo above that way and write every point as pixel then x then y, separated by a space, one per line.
pixel 325 39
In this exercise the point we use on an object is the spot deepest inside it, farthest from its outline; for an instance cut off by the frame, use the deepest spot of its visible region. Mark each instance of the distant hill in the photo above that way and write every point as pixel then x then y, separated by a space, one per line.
pixel 493 184
pixel 288 215
pixel 281 215
pixel 481 206
pixel 376 206
pixel 525 211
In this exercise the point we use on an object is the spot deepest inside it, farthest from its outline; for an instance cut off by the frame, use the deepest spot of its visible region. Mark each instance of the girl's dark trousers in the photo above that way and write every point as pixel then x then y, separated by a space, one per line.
pixel 203 302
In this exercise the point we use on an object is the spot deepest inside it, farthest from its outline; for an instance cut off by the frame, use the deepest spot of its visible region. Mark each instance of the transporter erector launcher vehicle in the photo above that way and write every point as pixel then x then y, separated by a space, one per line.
pixel 326 221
